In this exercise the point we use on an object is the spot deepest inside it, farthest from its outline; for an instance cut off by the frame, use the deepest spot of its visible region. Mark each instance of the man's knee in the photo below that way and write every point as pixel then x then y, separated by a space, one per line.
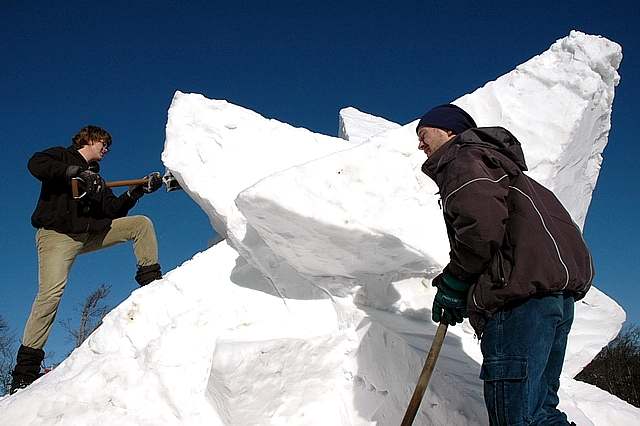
pixel 142 223
pixel 137 227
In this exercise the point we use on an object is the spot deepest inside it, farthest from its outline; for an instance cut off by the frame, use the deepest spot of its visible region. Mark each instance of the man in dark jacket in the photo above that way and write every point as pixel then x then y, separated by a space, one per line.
pixel 68 226
pixel 517 264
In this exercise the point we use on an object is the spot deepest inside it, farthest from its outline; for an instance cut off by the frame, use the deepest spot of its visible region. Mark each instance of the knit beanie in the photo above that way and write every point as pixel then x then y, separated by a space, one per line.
pixel 447 117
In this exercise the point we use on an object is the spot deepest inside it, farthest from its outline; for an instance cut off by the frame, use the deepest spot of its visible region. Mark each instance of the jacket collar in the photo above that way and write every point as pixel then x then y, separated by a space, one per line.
pixel 94 166
pixel 74 150
pixel 439 159
pixel 494 138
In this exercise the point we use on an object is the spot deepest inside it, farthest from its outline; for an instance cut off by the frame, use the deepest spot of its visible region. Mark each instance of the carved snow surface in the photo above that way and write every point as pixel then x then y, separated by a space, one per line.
pixel 558 104
pixel 312 312
pixel 358 126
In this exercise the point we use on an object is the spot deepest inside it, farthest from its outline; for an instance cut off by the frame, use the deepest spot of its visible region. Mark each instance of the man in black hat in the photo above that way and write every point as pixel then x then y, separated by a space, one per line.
pixel 517 263
pixel 67 227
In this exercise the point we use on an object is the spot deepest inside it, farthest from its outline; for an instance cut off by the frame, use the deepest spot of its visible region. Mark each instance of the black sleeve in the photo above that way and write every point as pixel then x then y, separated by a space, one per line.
pixel 115 207
pixel 48 165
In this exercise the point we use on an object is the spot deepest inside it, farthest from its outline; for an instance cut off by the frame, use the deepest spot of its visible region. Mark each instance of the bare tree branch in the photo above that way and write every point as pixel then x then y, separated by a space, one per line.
pixel 92 311
pixel 7 355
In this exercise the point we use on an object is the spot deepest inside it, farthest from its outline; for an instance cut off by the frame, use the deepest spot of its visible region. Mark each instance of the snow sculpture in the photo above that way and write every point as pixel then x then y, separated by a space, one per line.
pixel 312 312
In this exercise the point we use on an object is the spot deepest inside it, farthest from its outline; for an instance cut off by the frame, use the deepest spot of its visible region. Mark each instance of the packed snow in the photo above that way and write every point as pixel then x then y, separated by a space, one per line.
pixel 313 310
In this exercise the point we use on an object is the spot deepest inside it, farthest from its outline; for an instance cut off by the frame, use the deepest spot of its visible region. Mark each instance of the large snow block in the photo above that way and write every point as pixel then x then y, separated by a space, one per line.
pixel 558 104
pixel 364 211
pixel 371 206
pixel 216 149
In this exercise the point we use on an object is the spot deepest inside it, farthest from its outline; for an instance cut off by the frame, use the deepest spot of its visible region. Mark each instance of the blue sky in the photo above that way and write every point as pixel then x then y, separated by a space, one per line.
pixel 117 64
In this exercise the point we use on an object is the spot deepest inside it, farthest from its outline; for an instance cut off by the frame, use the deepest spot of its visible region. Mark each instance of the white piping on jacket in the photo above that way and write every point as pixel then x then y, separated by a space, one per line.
pixel 475 302
pixel 444 203
pixel 444 208
pixel 548 232
pixel 590 282
pixel 555 244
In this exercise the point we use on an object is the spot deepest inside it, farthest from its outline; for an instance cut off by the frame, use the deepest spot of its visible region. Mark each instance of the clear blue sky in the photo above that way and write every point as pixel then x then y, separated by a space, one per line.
pixel 117 64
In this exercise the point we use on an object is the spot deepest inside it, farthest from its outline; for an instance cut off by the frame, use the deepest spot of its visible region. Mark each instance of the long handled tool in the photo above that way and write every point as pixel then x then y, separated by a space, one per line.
pixel 425 376
pixel 168 179
pixel 75 190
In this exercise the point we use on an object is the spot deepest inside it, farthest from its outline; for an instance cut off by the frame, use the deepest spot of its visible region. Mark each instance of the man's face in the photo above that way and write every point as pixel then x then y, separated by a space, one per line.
pixel 98 149
pixel 431 139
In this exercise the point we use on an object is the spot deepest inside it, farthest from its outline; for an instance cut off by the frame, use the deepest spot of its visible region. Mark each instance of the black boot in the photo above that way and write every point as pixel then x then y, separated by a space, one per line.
pixel 27 368
pixel 147 274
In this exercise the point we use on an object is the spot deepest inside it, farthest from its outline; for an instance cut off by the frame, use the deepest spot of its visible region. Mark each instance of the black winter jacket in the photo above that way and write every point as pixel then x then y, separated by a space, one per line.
pixel 57 209
pixel 510 237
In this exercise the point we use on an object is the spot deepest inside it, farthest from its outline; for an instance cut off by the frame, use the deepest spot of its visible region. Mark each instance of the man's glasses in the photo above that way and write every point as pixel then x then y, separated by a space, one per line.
pixel 106 146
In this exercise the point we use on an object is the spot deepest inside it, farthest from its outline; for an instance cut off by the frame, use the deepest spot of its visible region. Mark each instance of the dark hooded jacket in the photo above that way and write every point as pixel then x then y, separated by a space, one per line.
pixel 510 237
pixel 57 209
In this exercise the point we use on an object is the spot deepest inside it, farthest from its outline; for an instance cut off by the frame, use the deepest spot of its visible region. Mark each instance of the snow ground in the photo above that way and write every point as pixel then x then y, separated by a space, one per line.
pixel 313 311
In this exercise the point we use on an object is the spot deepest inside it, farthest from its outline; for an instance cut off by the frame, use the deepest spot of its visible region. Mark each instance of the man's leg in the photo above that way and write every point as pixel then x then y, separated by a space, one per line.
pixel 56 253
pixel 138 229
pixel 516 346
pixel 551 375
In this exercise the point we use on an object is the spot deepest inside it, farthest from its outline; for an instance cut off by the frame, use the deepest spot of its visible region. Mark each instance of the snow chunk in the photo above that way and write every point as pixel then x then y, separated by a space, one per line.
pixel 558 104
pixel 357 126
pixel 371 210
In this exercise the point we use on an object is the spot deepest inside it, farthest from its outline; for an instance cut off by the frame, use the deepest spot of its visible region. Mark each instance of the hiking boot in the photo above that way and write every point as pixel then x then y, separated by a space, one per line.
pixel 147 274
pixel 21 382
pixel 27 368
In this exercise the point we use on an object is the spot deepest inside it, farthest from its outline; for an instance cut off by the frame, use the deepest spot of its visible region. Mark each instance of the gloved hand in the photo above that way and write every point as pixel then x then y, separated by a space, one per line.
pixel 93 182
pixel 450 303
pixel 72 171
pixel 154 182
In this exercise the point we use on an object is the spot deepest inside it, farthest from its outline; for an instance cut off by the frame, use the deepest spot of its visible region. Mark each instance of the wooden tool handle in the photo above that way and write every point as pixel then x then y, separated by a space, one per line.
pixel 75 190
pixel 425 376
pixel 130 182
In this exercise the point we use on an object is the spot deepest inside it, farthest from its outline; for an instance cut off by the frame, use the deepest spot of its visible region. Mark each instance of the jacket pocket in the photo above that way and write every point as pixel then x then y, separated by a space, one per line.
pixel 499 278
pixel 504 368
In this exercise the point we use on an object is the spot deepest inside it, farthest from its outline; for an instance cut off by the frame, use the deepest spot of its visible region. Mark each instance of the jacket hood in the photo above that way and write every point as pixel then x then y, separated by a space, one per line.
pixel 495 138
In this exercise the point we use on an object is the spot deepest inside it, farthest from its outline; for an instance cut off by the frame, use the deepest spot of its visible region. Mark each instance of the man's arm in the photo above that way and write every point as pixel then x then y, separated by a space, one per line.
pixel 115 207
pixel 476 208
pixel 48 165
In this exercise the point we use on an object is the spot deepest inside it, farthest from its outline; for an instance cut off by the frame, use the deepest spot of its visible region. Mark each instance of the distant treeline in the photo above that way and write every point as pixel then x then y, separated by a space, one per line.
pixel 616 368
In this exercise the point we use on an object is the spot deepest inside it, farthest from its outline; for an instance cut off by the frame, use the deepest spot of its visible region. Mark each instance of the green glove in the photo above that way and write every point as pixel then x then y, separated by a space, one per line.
pixel 450 303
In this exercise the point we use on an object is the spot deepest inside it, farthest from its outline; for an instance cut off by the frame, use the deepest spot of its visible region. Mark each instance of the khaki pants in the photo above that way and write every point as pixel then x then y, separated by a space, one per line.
pixel 56 254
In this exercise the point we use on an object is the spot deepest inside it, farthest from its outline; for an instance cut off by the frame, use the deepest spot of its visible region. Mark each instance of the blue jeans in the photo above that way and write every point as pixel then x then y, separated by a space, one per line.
pixel 523 348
